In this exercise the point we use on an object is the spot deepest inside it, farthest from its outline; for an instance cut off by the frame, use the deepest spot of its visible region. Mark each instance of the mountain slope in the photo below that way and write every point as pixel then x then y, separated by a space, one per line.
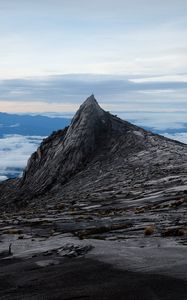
pixel 68 150
pixel 104 178
pixel 95 136
pixel 99 156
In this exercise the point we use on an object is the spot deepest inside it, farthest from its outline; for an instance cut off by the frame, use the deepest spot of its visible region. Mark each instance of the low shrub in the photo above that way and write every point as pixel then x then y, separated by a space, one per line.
pixel 149 230
pixel 13 231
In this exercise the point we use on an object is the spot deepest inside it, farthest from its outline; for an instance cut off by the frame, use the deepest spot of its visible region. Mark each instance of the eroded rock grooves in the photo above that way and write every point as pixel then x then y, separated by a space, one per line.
pixel 107 174
pixel 68 151
pixel 106 190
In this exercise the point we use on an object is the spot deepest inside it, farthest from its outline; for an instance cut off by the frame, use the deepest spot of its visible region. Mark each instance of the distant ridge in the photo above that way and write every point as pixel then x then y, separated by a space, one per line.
pixel 30 125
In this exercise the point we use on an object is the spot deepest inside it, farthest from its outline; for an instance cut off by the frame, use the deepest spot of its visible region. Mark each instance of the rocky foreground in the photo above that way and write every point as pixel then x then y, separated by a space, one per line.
pixel 100 213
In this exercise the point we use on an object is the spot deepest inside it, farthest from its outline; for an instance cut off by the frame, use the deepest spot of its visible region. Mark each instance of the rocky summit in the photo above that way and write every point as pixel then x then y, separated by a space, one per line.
pixel 104 189
pixel 105 167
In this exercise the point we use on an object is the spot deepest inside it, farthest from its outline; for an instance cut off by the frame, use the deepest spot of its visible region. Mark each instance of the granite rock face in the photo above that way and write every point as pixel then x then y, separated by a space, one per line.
pixel 100 160
pixel 102 189
pixel 67 151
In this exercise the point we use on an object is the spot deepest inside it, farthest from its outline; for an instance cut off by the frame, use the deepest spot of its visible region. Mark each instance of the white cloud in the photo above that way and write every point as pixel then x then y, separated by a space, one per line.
pixel 15 151
pixel 92 36
pixel 14 125
pixel 157 121
pixel 3 178
pixel 166 78
pixel 182 136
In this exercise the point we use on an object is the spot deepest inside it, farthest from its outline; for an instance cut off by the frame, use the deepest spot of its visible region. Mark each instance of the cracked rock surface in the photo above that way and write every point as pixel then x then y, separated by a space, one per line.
pixel 104 190
pixel 103 177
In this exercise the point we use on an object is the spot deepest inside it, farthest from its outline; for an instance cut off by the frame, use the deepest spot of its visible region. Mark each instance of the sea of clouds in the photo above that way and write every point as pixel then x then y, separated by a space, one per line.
pixel 16 149
pixel 14 153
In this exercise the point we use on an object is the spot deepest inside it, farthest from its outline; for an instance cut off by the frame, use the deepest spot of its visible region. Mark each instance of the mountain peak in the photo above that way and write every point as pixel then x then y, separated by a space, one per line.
pixel 95 142
pixel 68 151
pixel 90 100
pixel 89 107
pixel 89 116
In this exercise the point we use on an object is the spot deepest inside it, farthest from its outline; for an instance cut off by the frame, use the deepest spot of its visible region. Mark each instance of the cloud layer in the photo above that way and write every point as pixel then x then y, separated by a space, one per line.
pixel 67 92
pixel 14 153
pixel 137 49
pixel 16 149
pixel 181 136
pixel 44 37
pixel 70 88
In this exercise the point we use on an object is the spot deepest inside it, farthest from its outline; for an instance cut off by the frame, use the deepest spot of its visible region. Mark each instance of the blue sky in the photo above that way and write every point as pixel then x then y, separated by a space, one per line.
pixel 48 37
pixel 131 54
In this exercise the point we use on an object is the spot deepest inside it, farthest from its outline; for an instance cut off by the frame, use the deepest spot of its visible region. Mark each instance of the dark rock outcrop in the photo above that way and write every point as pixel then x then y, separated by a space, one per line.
pixel 67 151
pixel 99 157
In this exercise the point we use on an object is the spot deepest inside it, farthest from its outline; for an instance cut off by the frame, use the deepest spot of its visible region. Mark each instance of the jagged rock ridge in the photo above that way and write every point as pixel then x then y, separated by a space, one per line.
pixel 67 151
pixel 99 156
pixel 104 178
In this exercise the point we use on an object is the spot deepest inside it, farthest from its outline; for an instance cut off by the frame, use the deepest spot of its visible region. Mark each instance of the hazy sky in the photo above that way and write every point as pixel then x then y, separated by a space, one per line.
pixel 131 53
